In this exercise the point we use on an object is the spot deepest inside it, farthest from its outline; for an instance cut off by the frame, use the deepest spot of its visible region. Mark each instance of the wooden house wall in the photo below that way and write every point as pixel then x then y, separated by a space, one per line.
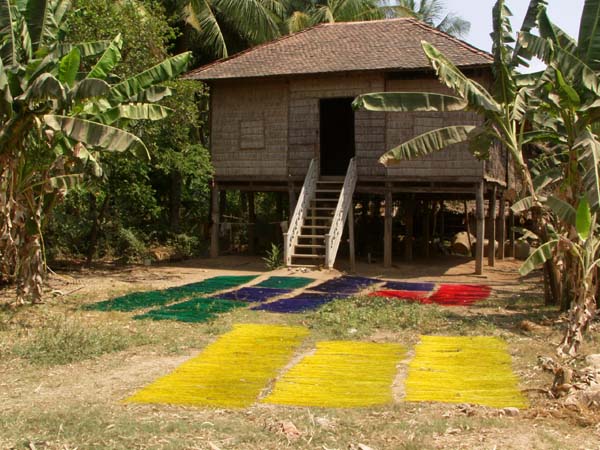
pixel 455 162
pixel 304 119
pixel 270 128
pixel 249 129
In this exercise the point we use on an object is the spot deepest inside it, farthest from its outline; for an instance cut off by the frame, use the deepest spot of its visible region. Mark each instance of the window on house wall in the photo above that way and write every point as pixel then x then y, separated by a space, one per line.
pixel 252 134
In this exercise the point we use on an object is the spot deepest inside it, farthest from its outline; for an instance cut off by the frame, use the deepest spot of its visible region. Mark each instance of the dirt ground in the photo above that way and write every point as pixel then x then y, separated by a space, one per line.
pixel 79 404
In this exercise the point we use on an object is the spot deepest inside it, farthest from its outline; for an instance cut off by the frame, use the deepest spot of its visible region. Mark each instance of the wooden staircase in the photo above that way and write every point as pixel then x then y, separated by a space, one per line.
pixel 310 248
pixel 316 228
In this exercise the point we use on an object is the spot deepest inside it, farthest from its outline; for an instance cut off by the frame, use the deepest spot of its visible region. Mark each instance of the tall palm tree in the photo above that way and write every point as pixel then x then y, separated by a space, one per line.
pixel 226 25
pixel 301 14
pixel 432 12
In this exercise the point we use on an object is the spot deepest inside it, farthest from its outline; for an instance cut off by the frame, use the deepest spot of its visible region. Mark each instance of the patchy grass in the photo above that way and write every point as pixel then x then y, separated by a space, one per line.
pixel 360 316
pixel 64 372
pixel 65 340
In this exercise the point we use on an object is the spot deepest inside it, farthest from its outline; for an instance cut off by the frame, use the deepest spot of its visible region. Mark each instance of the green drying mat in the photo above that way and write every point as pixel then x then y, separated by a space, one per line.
pixel 196 310
pixel 141 300
pixel 285 282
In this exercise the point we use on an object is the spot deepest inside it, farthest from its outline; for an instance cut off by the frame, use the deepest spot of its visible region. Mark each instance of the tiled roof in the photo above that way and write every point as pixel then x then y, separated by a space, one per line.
pixel 393 44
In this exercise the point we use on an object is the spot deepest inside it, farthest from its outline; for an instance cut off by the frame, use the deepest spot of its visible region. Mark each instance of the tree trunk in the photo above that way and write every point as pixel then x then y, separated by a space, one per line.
pixel 98 218
pixel 175 201
pixel 582 312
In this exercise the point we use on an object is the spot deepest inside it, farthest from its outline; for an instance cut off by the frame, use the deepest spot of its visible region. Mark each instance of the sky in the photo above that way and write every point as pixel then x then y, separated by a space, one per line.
pixel 564 13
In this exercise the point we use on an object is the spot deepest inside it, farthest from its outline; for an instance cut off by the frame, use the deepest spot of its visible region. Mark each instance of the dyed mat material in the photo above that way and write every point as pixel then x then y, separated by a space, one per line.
pixel 407 286
pixel 459 294
pixel 230 372
pixel 253 294
pixel 473 370
pixel 285 282
pixel 197 310
pixel 341 375
pixel 404 295
pixel 345 285
pixel 140 300
pixel 303 302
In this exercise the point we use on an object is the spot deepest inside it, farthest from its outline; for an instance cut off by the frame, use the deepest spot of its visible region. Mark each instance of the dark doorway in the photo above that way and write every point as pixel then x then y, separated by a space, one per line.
pixel 337 135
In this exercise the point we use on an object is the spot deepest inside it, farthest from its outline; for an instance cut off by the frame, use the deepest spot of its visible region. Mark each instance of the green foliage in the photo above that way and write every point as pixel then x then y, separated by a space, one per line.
pixel 62 340
pixel 156 199
pixel 187 246
pixel 54 123
pixel 129 247
pixel 142 26
pixel 274 258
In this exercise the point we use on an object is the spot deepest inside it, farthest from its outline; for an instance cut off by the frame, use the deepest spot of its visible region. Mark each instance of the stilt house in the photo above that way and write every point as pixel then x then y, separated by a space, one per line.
pixel 281 120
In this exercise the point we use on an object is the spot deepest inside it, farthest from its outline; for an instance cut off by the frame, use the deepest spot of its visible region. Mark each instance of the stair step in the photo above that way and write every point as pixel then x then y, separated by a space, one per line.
pixel 311 236
pixel 318 218
pixel 308 256
pixel 310 246
pixel 323 208
pixel 304 265
pixel 331 191
pixel 317 227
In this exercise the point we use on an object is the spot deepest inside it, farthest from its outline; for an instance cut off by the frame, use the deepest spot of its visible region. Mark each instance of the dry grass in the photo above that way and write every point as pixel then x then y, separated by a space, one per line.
pixel 64 373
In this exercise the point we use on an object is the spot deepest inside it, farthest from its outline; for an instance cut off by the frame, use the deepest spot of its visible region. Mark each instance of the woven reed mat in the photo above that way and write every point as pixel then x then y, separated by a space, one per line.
pixel 230 372
pixel 340 374
pixel 473 370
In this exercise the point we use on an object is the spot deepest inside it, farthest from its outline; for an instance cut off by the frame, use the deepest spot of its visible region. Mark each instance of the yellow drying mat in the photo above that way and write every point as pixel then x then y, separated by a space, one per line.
pixel 473 370
pixel 230 372
pixel 341 374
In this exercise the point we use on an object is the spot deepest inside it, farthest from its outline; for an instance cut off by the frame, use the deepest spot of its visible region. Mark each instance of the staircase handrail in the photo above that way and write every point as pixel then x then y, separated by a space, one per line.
pixel 307 193
pixel 334 237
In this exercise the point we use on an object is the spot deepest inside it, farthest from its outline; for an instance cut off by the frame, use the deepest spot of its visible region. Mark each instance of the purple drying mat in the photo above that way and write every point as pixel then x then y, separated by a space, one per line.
pixel 253 294
pixel 300 303
pixel 407 286
pixel 345 285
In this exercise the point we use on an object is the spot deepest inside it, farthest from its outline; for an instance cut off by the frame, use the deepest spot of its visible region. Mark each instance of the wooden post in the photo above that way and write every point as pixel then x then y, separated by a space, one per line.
pixel 252 223
pixel 215 216
pixel 468 224
pixel 442 222
pixel 480 215
pixel 293 199
pixel 502 227
pixel 492 235
pixel 511 232
pixel 351 239
pixel 387 231
pixel 409 219
pixel 426 226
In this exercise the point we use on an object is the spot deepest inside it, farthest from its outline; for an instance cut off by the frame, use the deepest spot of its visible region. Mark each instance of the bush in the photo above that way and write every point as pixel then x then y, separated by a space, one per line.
pixel 187 246
pixel 274 258
pixel 130 247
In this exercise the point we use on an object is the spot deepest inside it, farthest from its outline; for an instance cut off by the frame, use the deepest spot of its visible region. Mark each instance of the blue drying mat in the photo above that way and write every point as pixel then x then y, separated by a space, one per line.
pixel 300 303
pixel 345 285
pixel 408 286
pixel 253 294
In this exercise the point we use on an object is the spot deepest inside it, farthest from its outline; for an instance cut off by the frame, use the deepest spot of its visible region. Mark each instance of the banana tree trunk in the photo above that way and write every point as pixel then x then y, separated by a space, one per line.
pixel 583 311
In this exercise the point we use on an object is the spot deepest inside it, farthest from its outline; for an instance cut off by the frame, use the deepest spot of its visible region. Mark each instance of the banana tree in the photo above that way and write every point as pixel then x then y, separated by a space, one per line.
pixel 561 110
pixel 53 121
pixel 502 107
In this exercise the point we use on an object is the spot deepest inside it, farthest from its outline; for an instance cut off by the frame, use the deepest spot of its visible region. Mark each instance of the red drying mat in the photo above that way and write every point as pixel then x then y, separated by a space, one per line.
pixel 459 294
pixel 420 296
